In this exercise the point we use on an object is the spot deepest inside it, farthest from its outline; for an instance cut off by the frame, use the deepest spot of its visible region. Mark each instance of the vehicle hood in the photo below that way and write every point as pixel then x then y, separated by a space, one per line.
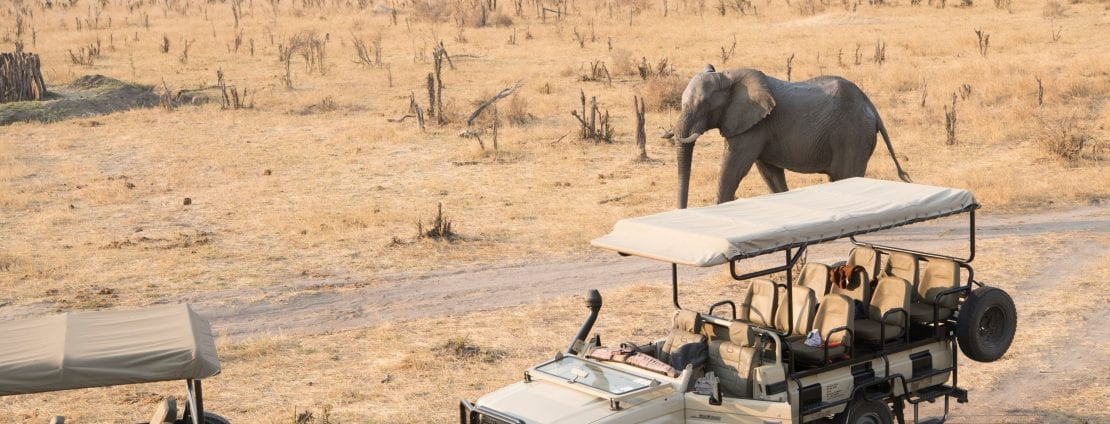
pixel 544 402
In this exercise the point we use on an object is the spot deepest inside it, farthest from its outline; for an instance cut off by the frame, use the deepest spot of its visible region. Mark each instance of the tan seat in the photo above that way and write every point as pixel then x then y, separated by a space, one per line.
pixel 804 308
pixel 865 257
pixel 815 276
pixel 835 313
pixel 904 266
pixel 758 305
pixel 940 275
pixel 891 294
pixel 733 361
pixel 687 329
pixel 860 291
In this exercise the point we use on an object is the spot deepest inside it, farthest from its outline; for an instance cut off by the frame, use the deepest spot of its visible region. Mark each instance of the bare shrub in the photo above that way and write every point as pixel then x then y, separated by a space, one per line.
pixel 465 13
pixel 517 113
pixel 1053 9
pixel 598 72
pixel 661 69
pixel 431 10
pixel 85 55
pixel 1064 136
pixel 460 348
pixel 439 228
pixel 809 7
pixel 623 62
pixel 663 93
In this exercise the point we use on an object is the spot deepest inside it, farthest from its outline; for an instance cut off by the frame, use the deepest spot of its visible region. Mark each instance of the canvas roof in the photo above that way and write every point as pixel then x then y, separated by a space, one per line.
pixel 105 348
pixel 713 235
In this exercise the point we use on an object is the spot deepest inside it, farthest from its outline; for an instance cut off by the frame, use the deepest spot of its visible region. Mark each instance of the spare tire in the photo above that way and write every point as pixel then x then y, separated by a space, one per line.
pixel 986 326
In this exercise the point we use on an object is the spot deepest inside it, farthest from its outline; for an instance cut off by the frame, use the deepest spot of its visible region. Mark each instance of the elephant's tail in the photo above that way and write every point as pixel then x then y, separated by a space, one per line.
pixel 886 138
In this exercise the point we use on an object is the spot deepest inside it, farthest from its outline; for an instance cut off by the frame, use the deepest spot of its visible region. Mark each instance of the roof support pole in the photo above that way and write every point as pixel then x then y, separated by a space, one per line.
pixel 674 286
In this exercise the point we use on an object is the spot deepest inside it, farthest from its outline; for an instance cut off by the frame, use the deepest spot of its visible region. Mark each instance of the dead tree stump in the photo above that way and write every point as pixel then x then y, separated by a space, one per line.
pixel 641 134
pixel 597 127
pixel 20 77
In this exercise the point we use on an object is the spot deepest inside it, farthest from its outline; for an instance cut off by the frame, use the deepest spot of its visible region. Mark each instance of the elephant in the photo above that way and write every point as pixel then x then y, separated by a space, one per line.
pixel 821 125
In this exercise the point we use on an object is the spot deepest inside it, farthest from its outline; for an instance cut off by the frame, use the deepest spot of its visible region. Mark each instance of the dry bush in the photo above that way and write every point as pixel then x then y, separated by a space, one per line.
pixel 1065 136
pixel 431 10
pixel 1053 9
pixel 518 113
pixel 663 93
pixel 624 62
pixel 467 13
pixel 809 7
pixel 439 228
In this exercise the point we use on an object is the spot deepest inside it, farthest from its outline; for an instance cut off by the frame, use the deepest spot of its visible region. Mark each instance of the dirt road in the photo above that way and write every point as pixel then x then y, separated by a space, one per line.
pixel 309 307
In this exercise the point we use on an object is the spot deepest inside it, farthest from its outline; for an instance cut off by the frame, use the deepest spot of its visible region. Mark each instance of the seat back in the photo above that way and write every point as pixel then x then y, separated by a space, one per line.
pixel 940 275
pixel 836 310
pixel 891 293
pixel 815 276
pixel 733 362
pixel 859 289
pixel 804 307
pixel 904 266
pixel 687 329
pixel 758 304
pixel 865 257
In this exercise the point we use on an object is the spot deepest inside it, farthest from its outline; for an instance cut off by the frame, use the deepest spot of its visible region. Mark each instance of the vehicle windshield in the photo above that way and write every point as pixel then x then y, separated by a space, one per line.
pixel 609 380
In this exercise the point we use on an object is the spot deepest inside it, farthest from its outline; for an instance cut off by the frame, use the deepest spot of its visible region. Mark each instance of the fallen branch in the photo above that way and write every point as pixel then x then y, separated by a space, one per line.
pixel 500 95
pixel 401 119
pixel 560 138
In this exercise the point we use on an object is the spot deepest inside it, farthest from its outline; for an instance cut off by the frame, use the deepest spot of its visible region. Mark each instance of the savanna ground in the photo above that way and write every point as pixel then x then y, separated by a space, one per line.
pixel 314 191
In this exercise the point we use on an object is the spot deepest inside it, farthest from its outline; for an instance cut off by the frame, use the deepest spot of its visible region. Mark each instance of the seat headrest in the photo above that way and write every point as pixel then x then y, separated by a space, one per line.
pixel 740 333
pixel 687 321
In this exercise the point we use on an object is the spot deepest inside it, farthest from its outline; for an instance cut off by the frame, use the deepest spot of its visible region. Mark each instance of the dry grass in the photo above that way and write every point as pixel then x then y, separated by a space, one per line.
pixel 417 371
pixel 98 203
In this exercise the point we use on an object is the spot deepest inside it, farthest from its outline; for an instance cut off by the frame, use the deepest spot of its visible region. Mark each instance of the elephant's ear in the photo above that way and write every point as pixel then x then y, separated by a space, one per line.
pixel 750 101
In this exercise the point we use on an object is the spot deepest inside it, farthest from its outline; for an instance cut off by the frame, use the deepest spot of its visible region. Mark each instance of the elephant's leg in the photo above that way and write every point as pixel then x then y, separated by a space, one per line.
pixel 773 176
pixel 734 167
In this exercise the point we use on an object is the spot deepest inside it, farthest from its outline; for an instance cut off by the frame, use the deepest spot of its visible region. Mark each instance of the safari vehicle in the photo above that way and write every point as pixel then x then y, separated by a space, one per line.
pixel 885 336
pixel 108 348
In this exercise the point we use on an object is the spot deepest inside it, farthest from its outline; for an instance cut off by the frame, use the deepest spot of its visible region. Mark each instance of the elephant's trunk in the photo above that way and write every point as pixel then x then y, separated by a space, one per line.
pixel 685 156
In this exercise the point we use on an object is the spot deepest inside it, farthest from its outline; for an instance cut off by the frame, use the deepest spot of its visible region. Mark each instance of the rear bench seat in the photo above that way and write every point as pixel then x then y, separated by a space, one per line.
pixel 940 275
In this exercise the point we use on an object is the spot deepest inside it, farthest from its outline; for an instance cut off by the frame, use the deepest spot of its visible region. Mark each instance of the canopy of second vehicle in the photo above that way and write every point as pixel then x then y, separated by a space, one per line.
pixel 713 235
pixel 105 348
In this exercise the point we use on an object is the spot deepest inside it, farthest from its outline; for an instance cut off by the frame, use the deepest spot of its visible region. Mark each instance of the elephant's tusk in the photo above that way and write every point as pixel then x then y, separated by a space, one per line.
pixel 692 138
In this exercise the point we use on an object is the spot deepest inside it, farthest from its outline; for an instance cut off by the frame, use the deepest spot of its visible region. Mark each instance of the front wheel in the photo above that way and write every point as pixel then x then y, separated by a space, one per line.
pixel 864 411
pixel 209 418
pixel 986 326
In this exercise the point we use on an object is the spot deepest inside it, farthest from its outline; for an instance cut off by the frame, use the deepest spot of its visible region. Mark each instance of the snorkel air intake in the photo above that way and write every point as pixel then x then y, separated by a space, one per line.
pixel 593 302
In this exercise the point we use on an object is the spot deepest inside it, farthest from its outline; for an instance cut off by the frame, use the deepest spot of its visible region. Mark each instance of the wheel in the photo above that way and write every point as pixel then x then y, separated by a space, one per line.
pixel 210 418
pixel 863 411
pixel 986 326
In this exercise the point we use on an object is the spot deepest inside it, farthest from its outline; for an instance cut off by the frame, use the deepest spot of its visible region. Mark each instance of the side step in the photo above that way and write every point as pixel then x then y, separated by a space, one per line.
pixel 933 392
pixel 930 394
